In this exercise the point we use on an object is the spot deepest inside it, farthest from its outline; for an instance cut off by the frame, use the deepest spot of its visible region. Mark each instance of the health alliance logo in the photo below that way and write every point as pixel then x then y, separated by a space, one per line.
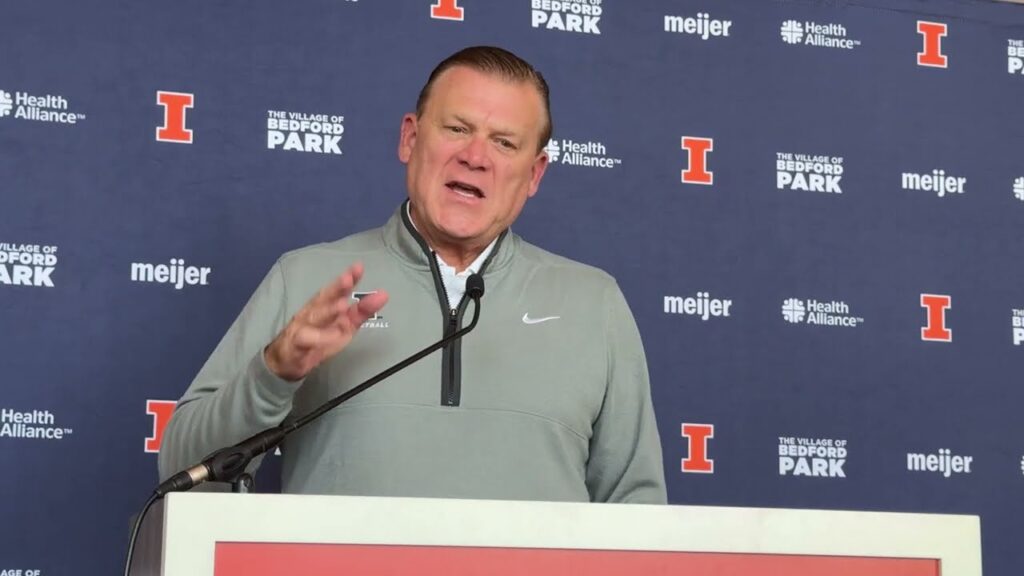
pixel 702 306
pixel 582 16
pixel 375 321
pixel 1018 188
pixel 944 462
pixel 810 173
pixel 301 132
pixel 1017 321
pixel 811 311
pixel 32 424
pixel 937 181
pixel 589 153
pixel 697 458
pixel 38 107
pixel 811 33
pixel 812 457
pixel 27 264
pixel 175 273
pixel 702 26
pixel 1015 57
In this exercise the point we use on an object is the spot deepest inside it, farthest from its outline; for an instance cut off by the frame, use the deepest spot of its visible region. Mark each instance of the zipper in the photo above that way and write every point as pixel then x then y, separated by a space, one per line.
pixel 450 380
pixel 451 377
pixel 451 385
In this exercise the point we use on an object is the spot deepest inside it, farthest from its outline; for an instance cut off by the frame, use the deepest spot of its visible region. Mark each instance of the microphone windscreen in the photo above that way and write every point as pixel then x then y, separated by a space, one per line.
pixel 475 286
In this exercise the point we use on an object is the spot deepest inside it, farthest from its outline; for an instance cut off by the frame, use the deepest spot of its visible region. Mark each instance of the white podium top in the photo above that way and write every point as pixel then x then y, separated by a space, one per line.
pixel 194 523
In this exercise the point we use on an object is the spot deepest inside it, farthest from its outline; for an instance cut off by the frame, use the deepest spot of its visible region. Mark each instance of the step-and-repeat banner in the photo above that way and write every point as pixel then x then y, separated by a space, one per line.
pixel 815 210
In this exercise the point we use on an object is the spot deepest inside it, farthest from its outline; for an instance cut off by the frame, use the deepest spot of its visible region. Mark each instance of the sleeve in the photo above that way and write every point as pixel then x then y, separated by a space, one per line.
pixel 234 395
pixel 625 463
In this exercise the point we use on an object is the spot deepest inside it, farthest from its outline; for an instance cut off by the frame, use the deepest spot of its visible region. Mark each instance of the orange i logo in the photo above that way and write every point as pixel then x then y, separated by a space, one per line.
pixel 697 436
pixel 932 33
pixel 447 10
pixel 175 104
pixel 936 330
pixel 697 159
pixel 161 411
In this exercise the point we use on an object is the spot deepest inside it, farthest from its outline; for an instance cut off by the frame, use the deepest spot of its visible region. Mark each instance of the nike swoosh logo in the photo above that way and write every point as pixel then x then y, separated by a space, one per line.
pixel 528 320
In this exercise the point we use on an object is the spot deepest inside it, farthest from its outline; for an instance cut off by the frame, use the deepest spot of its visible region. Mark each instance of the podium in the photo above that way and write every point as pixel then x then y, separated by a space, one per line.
pixel 207 534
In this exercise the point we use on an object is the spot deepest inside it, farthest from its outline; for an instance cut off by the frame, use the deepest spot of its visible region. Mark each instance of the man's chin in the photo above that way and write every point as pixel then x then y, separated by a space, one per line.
pixel 467 236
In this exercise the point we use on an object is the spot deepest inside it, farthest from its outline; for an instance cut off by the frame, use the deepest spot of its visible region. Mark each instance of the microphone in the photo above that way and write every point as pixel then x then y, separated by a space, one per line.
pixel 226 464
pixel 475 287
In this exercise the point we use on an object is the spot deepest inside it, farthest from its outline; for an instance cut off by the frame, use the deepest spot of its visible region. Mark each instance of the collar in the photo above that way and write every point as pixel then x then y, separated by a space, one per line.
pixel 401 237
pixel 447 269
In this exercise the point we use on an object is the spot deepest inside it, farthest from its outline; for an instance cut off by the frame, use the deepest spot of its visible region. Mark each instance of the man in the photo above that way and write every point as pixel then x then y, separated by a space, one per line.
pixel 547 399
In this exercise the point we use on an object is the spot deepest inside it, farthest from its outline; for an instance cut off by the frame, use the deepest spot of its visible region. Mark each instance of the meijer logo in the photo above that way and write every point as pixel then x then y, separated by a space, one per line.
pixel 702 25
pixel 697 436
pixel 702 306
pixel 176 273
pixel 938 181
pixel 931 54
pixel 697 150
pixel 944 463
pixel 175 105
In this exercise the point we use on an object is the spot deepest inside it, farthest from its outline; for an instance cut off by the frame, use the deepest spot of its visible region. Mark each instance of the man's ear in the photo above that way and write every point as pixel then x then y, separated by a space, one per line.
pixel 407 137
pixel 540 165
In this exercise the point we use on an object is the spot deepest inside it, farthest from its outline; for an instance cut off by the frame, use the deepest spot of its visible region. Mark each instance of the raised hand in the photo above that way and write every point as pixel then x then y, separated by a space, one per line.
pixel 322 328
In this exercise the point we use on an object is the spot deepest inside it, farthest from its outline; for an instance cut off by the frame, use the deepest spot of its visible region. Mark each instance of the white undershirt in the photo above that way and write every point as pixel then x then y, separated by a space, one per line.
pixel 455 282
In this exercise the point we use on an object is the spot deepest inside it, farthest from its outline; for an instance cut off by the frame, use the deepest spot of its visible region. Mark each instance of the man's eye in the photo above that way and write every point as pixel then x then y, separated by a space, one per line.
pixel 507 144
pixel 456 129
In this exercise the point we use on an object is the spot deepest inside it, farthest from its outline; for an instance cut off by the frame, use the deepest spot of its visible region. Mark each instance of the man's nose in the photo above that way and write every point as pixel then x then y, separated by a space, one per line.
pixel 474 154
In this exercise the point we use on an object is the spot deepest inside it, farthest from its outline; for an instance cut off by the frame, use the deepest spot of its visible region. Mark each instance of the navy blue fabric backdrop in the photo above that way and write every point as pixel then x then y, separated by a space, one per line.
pixel 814 209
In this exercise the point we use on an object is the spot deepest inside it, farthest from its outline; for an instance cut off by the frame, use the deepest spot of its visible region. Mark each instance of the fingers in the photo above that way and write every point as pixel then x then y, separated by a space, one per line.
pixel 332 300
pixel 367 307
pixel 341 287
pixel 323 327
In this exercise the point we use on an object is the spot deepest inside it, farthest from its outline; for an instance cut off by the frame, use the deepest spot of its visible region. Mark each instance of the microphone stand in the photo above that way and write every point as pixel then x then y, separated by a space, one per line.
pixel 228 464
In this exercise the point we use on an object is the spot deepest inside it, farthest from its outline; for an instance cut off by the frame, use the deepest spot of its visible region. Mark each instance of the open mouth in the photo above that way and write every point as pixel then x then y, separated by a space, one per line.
pixel 464 189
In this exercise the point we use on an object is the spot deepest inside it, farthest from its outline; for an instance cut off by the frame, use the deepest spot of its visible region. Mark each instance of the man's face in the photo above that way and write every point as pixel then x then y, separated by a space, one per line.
pixel 472 157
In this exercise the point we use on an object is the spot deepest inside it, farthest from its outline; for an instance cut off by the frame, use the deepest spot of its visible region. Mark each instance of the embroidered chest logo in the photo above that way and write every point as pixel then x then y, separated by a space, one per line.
pixel 528 320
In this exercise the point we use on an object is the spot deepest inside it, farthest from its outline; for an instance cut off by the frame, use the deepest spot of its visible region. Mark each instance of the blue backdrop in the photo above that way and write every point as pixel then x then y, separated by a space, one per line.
pixel 851 194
